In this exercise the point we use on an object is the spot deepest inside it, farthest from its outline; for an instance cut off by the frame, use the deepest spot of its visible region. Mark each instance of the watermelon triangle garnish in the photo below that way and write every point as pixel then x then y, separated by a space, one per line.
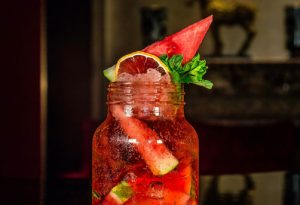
pixel 185 42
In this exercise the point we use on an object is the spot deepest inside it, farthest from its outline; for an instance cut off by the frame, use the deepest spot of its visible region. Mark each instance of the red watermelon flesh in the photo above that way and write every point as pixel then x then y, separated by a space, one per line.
pixel 185 42
pixel 157 156
pixel 177 181
pixel 169 198
pixel 110 200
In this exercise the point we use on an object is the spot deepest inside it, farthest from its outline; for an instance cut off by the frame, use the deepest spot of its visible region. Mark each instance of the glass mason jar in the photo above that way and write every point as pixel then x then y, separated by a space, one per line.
pixel 145 152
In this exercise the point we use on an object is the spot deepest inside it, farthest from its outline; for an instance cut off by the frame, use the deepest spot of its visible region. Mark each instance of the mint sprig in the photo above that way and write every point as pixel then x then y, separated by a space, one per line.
pixel 191 72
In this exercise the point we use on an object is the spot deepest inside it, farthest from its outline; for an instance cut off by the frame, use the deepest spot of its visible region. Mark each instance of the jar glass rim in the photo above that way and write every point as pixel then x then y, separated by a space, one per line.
pixel 146 84
pixel 145 92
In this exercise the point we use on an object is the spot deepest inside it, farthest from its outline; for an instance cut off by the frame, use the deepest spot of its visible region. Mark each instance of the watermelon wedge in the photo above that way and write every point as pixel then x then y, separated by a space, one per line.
pixel 193 202
pixel 172 188
pixel 167 194
pixel 119 194
pixel 169 198
pixel 179 180
pixel 185 42
pixel 157 156
pixel 172 197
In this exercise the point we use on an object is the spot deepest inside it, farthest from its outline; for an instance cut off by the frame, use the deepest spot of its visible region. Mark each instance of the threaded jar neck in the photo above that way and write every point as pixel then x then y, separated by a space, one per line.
pixel 147 98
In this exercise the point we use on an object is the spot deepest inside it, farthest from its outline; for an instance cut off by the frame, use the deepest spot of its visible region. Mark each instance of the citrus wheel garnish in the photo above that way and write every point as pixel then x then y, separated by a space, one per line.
pixel 136 63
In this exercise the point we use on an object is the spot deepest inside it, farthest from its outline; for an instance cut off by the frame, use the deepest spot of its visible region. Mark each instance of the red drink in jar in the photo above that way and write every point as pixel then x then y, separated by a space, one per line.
pixel 145 152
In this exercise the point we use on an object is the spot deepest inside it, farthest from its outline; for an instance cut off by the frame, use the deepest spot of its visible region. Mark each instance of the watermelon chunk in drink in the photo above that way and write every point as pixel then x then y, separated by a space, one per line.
pixel 156 155
pixel 172 188
pixel 119 194
pixel 179 180
pixel 169 198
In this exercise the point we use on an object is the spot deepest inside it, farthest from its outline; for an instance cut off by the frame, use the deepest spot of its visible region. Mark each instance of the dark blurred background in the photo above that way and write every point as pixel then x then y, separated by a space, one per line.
pixel 54 94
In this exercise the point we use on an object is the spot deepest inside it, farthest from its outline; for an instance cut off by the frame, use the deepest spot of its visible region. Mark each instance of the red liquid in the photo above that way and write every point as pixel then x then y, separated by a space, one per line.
pixel 117 158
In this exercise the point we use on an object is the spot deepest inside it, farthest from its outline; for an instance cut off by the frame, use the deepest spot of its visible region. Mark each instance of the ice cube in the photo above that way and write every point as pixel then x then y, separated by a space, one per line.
pixel 155 190
pixel 130 177
pixel 125 77
pixel 165 79
pixel 153 75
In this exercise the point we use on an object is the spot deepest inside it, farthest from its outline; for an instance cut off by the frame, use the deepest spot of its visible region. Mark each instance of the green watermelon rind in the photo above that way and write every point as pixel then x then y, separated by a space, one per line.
pixel 110 73
pixel 164 163
pixel 121 193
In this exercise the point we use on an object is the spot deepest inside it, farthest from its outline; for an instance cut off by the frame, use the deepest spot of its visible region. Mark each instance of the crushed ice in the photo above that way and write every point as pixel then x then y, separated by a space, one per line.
pixel 155 190
pixel 152 75
pixel 130 177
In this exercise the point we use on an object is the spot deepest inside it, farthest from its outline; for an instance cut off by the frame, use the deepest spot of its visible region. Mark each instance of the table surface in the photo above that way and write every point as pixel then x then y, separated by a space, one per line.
pixel 78 191
pixel 56 192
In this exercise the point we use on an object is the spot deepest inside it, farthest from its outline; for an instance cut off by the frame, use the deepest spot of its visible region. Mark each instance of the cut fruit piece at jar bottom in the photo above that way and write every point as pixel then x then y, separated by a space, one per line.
pixel 111 200
pixel 177 181
pixel 169 198
pixel 157 156
pixel 193 202
pixel 180 180
pixel 119 194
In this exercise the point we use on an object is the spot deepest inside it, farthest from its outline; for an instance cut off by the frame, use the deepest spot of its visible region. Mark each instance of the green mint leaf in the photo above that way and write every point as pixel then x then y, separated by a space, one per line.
pixel 175 62
pixel 191 72
pixel 164 58
pixel 205 83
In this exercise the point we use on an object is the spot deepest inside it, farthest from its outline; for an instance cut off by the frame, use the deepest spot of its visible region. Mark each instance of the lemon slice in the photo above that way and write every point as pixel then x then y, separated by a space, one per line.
pixel 136 63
